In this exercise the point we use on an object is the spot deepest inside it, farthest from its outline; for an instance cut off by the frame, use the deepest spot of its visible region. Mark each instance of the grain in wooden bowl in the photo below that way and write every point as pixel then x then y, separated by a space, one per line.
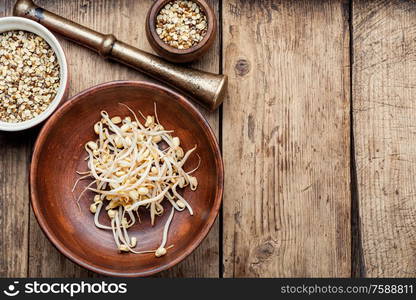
pixel 53 173
pixel 181 30
pixel 181 24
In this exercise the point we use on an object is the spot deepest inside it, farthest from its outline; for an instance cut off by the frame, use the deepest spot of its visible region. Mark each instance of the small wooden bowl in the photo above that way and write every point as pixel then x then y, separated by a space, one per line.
pixel 59 152
pixel 180 55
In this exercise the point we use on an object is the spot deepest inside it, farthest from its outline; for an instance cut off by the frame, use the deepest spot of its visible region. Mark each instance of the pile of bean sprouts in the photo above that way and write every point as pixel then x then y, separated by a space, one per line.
pixel 135 165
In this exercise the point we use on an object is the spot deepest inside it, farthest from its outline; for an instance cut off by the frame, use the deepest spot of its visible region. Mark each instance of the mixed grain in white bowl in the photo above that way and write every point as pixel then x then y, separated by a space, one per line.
pixel 29 76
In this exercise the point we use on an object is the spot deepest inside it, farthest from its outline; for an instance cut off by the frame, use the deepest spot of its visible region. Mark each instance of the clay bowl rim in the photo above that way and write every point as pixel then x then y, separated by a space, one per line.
pixel 210 34
pixel 43 135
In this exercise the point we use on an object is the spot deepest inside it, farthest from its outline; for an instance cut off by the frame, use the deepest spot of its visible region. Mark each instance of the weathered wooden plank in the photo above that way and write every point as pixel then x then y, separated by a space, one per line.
pixel 126 20
pixel 14 196
pixel 14 204
pixel 286 139
pixel 384 91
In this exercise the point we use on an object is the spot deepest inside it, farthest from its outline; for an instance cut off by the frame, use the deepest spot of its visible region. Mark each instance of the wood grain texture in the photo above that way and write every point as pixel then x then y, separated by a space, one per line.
pixel 126 20
pixel 384 91
pixel 14 204
pixel 14 196
pixel 286 139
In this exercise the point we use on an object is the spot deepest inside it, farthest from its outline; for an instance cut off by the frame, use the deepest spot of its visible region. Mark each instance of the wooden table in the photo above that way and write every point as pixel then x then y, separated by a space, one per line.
pixel 317 133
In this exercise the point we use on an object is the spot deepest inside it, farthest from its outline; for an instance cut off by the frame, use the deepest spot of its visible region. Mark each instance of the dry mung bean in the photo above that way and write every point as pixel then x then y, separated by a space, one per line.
pixel 29 76
pixel 181 24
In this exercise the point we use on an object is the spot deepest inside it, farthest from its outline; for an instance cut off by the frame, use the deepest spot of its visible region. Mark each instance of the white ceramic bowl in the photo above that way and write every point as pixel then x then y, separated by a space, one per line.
pixel 17 23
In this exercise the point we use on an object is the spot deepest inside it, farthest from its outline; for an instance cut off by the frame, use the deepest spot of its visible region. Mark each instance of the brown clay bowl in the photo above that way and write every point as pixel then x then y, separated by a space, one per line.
pixel 180 55
pixel 59 152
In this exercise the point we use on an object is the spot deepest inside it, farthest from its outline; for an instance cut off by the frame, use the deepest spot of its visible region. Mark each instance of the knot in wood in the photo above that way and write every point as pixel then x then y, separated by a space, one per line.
pixel 242 67
pixel 264 251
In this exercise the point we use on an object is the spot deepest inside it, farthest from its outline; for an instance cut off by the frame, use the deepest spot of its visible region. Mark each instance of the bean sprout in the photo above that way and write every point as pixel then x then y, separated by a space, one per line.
pixel 135 165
